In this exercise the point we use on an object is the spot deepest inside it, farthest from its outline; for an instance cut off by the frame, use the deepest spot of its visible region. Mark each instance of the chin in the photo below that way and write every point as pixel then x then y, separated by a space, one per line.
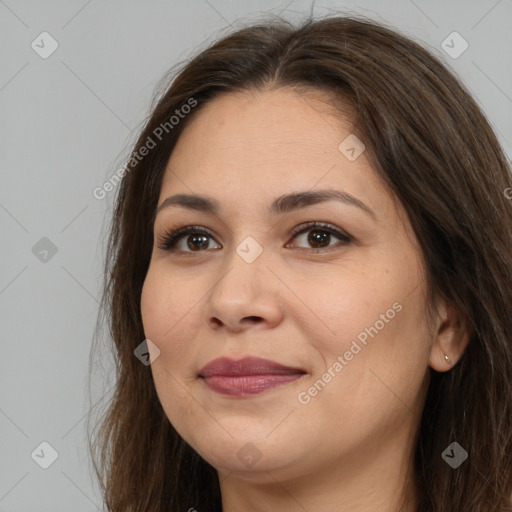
pixel 251 456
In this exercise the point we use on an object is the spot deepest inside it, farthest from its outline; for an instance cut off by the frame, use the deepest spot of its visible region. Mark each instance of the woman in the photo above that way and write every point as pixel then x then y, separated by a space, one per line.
pixel 311 246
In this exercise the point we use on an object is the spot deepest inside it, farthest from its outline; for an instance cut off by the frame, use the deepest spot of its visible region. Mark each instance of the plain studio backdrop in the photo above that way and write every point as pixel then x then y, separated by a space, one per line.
pixel 76 82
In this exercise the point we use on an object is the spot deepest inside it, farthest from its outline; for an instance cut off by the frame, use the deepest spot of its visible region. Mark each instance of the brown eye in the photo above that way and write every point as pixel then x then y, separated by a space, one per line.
pixel 197 242
pixel 319 236
pixel 186 240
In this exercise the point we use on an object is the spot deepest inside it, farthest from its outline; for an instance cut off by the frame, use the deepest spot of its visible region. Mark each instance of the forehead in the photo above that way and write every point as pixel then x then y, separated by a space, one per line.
pixel 283 130
pixel 270 118
pixel 247 148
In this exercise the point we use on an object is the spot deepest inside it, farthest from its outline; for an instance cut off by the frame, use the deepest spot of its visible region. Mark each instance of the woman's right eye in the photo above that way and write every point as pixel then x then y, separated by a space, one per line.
pixel 188 240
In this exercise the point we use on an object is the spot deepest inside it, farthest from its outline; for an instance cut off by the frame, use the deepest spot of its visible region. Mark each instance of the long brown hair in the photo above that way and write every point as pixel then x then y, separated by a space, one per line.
pixel 432 145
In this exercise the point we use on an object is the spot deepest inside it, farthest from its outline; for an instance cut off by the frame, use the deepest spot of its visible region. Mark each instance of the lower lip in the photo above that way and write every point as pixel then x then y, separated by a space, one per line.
pixel 247 385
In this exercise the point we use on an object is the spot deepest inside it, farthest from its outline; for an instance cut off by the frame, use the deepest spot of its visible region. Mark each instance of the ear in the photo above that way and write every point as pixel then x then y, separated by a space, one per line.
pixel 450 338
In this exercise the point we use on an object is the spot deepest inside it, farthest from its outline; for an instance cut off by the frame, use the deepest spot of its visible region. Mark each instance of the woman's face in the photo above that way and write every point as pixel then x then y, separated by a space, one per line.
pixel 341 305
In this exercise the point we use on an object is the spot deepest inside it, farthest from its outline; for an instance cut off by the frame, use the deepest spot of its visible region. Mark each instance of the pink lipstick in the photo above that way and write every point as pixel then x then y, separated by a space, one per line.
pixel 247 376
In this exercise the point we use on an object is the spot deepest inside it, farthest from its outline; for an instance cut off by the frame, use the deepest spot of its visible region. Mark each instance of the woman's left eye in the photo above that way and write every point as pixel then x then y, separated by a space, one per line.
pixel 197 239
pixel 319 235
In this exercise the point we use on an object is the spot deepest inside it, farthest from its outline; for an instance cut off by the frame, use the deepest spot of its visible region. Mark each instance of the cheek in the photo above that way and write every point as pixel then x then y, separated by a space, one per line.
pixel 164 308
pixel 371 371
pixel 167 311
pixel 353 305
pixel 151 306
pixel 371 319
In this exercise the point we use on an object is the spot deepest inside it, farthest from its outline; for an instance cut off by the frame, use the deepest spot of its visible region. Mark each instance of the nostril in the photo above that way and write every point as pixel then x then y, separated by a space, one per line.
pixel 255 319
pixel 216 321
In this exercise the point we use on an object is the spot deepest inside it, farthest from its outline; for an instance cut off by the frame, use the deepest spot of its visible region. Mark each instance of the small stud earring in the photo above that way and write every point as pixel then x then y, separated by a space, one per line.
pixel 448 360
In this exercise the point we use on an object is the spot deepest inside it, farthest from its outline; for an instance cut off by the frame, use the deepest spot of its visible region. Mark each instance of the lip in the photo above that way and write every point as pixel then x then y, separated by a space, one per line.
pixel 247 376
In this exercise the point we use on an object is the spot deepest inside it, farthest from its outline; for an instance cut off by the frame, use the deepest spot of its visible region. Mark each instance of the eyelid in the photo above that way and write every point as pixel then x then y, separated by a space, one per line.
pixel 324 226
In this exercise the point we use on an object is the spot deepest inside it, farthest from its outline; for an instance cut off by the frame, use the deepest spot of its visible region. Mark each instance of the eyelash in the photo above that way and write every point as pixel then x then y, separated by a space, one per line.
pixel 168 239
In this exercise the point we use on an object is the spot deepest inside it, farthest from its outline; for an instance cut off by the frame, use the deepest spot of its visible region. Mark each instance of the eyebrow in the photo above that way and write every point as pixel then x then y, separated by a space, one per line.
pixel 283 204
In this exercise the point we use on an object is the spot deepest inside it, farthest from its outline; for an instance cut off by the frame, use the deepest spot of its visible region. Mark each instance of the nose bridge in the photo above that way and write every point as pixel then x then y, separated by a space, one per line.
pixel 245 267
pixel 244 286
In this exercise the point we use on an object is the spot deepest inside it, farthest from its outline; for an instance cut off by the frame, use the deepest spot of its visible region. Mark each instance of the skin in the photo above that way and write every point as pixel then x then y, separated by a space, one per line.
pixel 350 447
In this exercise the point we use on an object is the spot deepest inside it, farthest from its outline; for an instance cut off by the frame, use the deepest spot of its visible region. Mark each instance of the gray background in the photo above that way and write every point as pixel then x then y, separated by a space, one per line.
pixel 67 122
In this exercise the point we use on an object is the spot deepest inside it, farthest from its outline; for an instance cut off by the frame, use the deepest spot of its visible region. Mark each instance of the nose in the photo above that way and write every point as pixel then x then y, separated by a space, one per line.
pixel 244 296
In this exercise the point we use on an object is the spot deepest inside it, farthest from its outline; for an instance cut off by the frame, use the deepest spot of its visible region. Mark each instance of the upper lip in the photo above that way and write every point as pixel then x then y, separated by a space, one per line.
pixel 247 366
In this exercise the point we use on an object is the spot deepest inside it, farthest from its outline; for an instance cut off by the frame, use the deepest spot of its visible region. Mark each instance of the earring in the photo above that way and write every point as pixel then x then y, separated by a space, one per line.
pixel 448 360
